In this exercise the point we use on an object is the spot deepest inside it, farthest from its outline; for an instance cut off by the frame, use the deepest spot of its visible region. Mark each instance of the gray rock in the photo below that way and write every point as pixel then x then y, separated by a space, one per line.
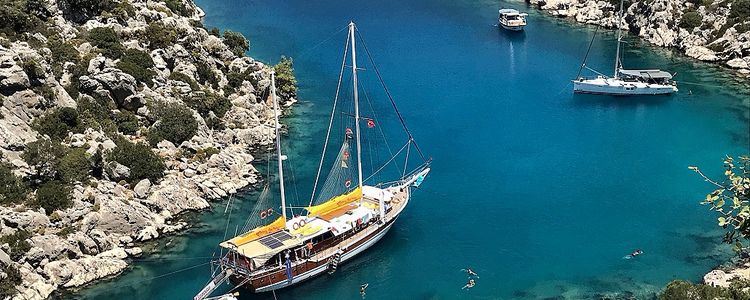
pixel 118 83
pixel 12 76
pixel 141 189
pixel 134 102
pixel 117 171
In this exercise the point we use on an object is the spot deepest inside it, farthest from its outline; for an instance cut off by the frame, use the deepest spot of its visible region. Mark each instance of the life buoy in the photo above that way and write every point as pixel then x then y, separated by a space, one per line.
pixel 298 225
pixel 263 214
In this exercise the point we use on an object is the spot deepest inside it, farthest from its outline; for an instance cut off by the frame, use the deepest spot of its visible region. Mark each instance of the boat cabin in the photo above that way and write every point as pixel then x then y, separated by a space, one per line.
pixel 652 76
pixel 512 19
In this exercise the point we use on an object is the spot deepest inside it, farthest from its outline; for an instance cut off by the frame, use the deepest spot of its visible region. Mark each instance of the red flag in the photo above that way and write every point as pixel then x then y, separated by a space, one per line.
pixel 348 183
pixel 370 123
pixel 349 132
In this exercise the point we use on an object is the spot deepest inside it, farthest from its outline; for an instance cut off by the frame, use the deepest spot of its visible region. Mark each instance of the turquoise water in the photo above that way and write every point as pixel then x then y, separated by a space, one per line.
pixel 542 192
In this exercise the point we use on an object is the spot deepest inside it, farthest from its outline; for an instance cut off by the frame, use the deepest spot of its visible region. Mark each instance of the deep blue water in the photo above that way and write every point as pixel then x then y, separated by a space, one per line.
pixel 541 191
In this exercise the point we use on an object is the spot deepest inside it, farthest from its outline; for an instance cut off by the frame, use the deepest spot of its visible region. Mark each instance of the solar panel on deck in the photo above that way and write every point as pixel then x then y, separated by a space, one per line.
pixel 275 240
pixel 281 236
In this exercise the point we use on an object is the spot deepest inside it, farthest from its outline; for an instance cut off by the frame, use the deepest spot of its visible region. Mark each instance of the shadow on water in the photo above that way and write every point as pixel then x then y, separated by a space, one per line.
pixel 586 100
pixel 513 36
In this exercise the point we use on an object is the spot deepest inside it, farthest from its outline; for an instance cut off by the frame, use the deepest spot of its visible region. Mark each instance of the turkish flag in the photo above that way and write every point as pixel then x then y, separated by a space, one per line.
pixel 370 123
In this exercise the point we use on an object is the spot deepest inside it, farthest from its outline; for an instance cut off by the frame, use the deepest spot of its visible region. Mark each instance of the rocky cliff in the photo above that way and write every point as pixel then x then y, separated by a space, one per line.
pixel 116 117
pixel 715 31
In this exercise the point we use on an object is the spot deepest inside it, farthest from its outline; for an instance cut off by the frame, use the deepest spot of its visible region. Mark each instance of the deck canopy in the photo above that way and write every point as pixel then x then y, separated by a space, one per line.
pixel 511 12
pixel 647 74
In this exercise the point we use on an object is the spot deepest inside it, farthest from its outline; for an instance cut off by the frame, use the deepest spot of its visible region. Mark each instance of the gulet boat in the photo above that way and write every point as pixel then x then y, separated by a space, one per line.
pixel 511 19
pixel 278 250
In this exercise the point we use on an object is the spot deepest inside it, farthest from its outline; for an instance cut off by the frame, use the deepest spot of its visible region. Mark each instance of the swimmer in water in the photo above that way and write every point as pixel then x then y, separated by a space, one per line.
pixel 469 284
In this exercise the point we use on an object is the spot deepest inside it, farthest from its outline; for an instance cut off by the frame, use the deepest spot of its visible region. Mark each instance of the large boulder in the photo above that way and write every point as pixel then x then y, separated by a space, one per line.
pixel 141 189
pixel 77 272
pixel 12 76
pixel 118 83
pixel 117 171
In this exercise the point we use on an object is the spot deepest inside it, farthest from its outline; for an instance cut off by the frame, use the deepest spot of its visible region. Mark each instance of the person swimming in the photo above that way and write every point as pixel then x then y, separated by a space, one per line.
pixel 635 253
pixel 469 284
pixel 362 289
pixel 470 272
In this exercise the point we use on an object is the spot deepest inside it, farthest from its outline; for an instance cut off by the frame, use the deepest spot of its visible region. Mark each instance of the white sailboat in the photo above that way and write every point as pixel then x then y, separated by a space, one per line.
pixel 347 220
pixel 624 82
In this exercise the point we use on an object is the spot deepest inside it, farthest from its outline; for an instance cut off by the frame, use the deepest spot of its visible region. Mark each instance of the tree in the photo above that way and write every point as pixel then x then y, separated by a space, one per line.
pixel 680 290
pixel 175 123
pixel 52 196
pixel 731 199
pixel 285 80
pixel 18 243
pixel 58 123
pixel 740 9
pixel 88 8
pixel 9 283
pixel 106 39
pixel 126 122
pixel 12 189
pixel 236 42
pixel 137 64
pixel 44 156
pixel 690 20
pixel 160 36
pixel 75 166
pixel 143 162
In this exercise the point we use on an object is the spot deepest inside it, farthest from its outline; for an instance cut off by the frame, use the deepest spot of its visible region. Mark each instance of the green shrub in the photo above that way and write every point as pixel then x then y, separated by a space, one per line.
pixel 9 283
pixel 107 40
pixel 18 243
pixel 97 164
pixel 18 16
pixel 178 7
pixel 680 290
pixel 160 36
pixel 285 80
pixel 204 153
pixel 143 162
pixel 58 123
pixel 74 166
pixel 175 123
pixel 236 42
pixel 126 122
pixel 740 10
pixel 206 73
pixel 186 79
pixel 123 11
pixel 44 155
pixel 690 20
pixel 80 69
pixel 33 70
pixel 208 102
pixel 89 8
pixel 235 78
pixel 12 189
pixel 137 63
pixel 215 32
pixel 52 196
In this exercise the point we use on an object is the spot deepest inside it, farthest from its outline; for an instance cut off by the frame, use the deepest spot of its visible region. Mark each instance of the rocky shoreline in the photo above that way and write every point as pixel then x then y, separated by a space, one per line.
pixel 109 214
pixel 711 31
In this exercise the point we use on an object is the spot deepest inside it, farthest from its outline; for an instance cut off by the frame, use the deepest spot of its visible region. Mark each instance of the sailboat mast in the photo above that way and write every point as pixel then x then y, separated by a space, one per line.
pixel 356 102
pixel 278 145
pixel 619 41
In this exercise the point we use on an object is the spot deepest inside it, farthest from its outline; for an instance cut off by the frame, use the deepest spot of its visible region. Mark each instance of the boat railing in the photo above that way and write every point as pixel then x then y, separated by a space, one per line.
pixel 325 254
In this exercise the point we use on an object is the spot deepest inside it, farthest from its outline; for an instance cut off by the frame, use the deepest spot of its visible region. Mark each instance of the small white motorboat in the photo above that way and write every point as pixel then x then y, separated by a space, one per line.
pixel 511 19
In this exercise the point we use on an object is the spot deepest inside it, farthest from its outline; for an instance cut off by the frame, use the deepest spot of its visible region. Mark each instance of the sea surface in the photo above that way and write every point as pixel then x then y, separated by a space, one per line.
pixel 540 191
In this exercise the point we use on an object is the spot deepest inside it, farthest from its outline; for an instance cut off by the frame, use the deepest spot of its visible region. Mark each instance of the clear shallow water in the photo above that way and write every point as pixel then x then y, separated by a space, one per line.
pixel 542 192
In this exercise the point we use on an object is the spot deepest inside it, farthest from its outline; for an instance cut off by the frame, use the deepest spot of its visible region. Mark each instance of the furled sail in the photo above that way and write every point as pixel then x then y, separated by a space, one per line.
pixel 336 203
pixel 257 233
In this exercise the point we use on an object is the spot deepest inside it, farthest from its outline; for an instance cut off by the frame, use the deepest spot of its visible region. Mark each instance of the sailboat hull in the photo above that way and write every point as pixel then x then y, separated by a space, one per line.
pixel 310 269
pixel 609 86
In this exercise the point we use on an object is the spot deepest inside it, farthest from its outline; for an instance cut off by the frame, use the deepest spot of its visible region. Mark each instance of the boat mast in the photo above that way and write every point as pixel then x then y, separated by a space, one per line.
pixel 278 144
pixel 619 41
pixel 356 102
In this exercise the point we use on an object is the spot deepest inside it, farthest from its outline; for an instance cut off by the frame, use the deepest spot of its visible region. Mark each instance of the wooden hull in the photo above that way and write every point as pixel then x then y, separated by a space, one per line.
pixel 311 268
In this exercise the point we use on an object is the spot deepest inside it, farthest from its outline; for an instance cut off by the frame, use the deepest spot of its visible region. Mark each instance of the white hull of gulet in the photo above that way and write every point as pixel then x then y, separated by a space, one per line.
pixel 610 86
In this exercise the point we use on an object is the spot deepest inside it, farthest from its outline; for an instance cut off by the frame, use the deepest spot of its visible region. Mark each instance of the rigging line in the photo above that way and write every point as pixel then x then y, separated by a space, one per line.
pixel 330 123
pixel 583 63
pixel 167 274
pixel 392 158
pixel 306 51
pixel 406 160
pixel 387 92
pixel 380 128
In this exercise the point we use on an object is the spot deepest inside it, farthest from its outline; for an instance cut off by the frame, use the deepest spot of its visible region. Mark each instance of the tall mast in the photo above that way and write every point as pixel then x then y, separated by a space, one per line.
pixel 619 41
pixel 278 144
pixel 356 102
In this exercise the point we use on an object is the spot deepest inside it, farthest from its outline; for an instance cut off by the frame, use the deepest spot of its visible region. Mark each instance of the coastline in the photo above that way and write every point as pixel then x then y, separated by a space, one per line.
pixel 714 38
pixel 109 217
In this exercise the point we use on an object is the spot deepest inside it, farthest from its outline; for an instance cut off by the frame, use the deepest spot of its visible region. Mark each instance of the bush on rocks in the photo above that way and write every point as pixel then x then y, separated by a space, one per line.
pixel 52 196
pixel 208 102
pixel 107 40
pixel 236 42
pixel 285 80
pixel 740 9
pixel 186 79
pixel 127 122
pixel 9 283
pixel 679 290
pixel 61 52
pixel 44 156
pixel 19 16
pixel 174 123
pixel 12 189
pixel 18 243
pixel 75 166
pixel 160 36
pixel 58 123
pixel 690 20
pixel 137 64
pixel 206 73
pixel 89 8
pixel 178 7
pixel 143 163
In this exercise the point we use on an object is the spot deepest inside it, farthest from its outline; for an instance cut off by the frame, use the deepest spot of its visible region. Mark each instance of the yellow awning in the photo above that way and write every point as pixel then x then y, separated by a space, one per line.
pixel 259 232
pixel 335 203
